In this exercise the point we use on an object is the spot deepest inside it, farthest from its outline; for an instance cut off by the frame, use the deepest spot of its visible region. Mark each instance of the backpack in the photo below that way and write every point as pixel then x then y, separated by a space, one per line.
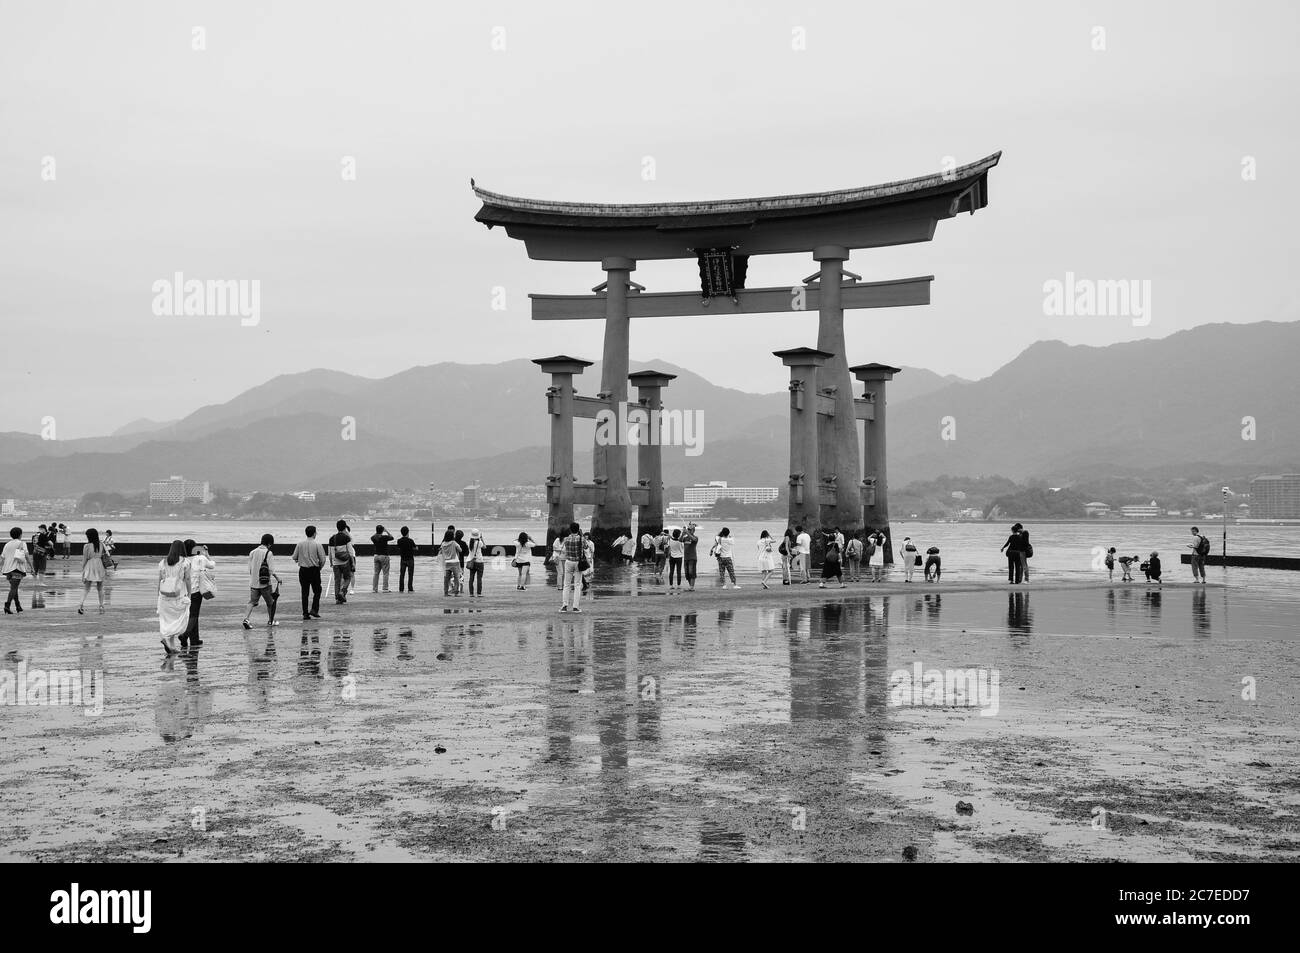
pixel 1202 546
pixel 264 571
pixel 854 548
pixel 170 584
pixel 781 549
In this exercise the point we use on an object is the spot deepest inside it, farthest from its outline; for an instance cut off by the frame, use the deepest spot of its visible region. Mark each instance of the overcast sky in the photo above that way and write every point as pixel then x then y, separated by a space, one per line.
pixel 225 163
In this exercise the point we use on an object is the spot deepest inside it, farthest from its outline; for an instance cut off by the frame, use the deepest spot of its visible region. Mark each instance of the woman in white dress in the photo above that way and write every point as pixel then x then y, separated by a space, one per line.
pixel 877 561
pixel 174 585
pixel 92 570
pixel 767 556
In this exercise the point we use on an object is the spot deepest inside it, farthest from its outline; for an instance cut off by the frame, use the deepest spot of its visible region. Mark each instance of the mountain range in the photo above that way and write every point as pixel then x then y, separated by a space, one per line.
pixel 1056 411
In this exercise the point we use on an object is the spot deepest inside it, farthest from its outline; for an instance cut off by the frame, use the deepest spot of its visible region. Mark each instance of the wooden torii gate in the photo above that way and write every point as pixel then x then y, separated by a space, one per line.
pixel 827 486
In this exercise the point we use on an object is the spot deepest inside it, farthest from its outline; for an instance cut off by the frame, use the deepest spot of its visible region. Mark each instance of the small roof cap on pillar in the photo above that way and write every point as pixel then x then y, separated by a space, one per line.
pixel 651 378
pixel 803 356
pixel 562 364
pixel 874 372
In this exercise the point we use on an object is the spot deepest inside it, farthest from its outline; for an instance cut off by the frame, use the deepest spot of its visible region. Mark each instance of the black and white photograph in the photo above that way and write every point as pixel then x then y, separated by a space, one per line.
pixel 732 432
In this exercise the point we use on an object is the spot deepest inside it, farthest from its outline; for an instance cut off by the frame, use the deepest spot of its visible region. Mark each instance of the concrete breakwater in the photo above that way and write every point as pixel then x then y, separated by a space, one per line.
pixel 159 549
pixel 1248 562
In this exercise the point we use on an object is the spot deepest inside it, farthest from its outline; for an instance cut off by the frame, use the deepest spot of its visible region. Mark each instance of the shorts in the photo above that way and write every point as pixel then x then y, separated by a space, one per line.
pixel 266 592
pixel 38 562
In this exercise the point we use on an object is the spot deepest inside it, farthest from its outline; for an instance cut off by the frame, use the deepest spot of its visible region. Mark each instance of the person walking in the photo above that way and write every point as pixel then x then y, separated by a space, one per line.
pixel 523 561
pixel 15 563
pixel 876 556
pixel 571 591
pixel 310 557
pixel 405 561
pixel 1026 553
pixel 786 551
pixel 41 548
pixel 1015 568
pixel 203 586
pixel 343 561
pixel 724 549
pixel 690 555
pixel 910 556
pixel 767 556
pixel 260 587
pixel 92 570
pixel 109 546
pixel 676 554
pixel 174 585
pixel 380 541
pixel 449 552
pixel 66 539
pixel 474 560
pixel 1200 547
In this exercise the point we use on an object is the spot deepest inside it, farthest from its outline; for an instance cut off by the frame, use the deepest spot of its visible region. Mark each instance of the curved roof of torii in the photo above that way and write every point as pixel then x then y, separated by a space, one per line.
pixel 886 214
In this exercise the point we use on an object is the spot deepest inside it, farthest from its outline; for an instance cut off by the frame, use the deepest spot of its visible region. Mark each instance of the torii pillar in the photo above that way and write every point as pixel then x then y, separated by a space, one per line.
pixel 875 487
pixel 559 484
pixel 805 448
pixel 839 432
pixel 649 452
pixel 612 516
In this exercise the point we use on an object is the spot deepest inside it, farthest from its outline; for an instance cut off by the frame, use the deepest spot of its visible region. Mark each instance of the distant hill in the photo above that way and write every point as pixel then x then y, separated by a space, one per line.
pixel 141 425
pixel 1059 412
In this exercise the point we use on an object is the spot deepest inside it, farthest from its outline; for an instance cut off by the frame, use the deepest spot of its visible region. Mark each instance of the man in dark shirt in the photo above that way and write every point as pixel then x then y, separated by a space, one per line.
pixel 690 542
pixel 381 539
pixel 406 561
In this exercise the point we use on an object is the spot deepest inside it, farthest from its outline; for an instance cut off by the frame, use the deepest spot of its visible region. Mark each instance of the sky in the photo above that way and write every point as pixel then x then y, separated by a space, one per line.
pixel 1141 141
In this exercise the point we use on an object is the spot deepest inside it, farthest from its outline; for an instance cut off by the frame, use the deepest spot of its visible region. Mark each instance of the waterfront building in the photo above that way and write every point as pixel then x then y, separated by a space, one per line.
pixel 1275 497
pixel 177 489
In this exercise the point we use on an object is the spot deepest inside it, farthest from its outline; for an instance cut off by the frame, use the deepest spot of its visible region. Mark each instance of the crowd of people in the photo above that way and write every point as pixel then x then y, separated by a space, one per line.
pixel 186 576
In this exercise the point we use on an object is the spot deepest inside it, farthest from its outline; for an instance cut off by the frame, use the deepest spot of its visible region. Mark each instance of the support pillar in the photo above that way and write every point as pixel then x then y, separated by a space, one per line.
pixel 805 509
pixel 613 517
pixel 649 446
pixel 559 484
pixel 875 487
pixel 838 435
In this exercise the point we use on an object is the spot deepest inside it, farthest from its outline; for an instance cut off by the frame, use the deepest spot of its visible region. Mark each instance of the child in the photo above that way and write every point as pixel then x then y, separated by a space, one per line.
pixel 1110 563
pixel 1126 563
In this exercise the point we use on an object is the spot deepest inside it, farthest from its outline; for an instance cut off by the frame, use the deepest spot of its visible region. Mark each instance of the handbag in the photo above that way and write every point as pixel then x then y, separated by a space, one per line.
pixel 918 560
pixel 1029 550
pixel 207 587
pixel 583 565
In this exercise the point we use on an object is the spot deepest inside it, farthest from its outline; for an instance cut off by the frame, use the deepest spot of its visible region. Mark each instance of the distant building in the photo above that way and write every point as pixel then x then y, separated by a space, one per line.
pixel 1140 510
pixel 307 496
pixel 1275 497
pixel 8 508
pixel 707 494
pixel 470 497
pixel 177 489
pixel 1097 509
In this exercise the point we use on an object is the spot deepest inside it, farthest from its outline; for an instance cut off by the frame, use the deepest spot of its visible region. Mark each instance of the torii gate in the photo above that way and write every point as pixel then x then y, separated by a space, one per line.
pixel 827 486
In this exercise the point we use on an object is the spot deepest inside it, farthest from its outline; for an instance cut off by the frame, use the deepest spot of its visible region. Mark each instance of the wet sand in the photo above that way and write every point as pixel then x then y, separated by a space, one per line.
pixel 743 725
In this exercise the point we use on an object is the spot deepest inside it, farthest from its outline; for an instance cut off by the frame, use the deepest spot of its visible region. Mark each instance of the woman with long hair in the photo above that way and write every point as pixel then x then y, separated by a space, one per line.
pixel 201 568
pixel 92 570
pixel 523 561
pixel 174 586
pixel 450 553
pixel 767 556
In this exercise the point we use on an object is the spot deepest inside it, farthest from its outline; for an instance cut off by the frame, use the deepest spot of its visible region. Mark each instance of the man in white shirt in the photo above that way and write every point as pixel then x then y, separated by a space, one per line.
pixel 803 550
pixel 310 556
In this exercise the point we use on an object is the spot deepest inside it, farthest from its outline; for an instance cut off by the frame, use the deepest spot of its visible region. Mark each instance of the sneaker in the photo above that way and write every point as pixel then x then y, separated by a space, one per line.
pixel 576 609
pixel 735 586
pixel 564 608
pixel 315 615
pixel 247 624
pixel 271 623
pixel 306 617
